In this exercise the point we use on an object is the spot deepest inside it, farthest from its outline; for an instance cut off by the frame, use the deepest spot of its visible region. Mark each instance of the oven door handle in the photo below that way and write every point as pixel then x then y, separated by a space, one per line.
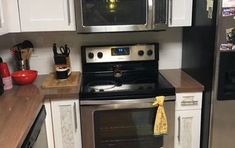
pixel 121 104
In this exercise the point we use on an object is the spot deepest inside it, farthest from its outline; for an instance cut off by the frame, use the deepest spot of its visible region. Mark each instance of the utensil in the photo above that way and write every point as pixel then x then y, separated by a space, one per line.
pixel 18 51
pixel 15 53
pixel 24 53
pixel 27 44
pixel 55 49
pixel 23 65
pixel 24 77
pixel 65 50
pixel 29 53
pixel 29 47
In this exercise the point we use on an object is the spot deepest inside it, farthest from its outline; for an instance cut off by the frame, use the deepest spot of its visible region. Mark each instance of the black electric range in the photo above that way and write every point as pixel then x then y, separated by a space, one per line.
pixel 131 86
pixel 122 72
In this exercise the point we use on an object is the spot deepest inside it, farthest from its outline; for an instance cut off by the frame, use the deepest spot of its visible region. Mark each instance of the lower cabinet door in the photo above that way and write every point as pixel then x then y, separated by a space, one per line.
pixel 187 129
pixel 49 125
pixel 66 123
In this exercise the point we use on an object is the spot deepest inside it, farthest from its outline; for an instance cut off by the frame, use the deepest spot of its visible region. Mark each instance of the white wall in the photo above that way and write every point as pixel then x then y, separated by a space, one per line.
pixel 42 59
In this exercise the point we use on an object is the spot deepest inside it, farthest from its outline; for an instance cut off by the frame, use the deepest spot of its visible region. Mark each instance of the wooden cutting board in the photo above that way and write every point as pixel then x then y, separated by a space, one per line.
pixel 51 82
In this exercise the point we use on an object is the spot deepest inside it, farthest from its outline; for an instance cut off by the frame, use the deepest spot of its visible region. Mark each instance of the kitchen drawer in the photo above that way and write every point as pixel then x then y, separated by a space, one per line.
pixel 188 101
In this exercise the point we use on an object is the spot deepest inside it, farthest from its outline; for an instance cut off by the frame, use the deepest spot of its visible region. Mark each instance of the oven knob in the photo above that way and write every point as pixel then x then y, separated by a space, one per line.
pixel 99 55
pixel 140 52
pixel 90 55
pixel 149 52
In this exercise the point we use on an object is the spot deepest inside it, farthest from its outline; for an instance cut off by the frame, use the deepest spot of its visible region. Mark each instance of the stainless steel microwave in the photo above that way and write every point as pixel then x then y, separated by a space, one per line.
pixel 121 15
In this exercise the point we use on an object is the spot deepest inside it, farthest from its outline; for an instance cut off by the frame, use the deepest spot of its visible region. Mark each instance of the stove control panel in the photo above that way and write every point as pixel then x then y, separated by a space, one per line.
pixel 139 52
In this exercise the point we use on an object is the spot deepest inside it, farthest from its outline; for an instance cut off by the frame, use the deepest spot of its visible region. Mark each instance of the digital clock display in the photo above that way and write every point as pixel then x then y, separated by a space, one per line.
pixel 120 51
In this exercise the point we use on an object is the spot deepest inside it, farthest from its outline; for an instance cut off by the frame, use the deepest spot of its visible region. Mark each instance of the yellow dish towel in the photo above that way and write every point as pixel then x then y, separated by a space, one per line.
pixel 160 125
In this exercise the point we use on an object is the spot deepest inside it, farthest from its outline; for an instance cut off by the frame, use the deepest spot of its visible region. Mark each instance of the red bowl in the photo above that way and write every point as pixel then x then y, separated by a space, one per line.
pixel 23 77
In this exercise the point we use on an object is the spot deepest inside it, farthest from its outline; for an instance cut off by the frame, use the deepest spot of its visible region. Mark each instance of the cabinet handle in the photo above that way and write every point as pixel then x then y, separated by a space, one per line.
pixel 189 103
pixel 188 97
pixel 69 15
pixel 1 16
pixel 0 20
pixel 171 10
pixel 179 125
pixel 75 116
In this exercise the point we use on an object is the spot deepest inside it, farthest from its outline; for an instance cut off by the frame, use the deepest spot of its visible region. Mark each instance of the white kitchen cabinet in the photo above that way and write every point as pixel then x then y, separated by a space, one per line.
pixel 47 15
pixel 3 22
pixel 187 129
pixel 180 13
pixel 12 14
pixel 49 125
pixel 188 120
pixel 63 123
pixel 66 123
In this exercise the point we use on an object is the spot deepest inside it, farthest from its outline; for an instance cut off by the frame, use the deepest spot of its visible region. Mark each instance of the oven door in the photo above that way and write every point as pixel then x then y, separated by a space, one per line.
pixel 125 124
pixel 113 15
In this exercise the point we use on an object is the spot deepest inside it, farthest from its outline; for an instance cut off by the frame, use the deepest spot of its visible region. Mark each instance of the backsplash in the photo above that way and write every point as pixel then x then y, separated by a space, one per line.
pixel 42 58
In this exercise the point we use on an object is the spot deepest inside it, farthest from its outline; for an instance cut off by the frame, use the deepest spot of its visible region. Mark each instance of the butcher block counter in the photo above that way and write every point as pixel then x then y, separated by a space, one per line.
pixel 20 105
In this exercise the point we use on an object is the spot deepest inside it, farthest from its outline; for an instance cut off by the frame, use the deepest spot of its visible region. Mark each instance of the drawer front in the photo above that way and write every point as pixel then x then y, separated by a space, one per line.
pixel 188 101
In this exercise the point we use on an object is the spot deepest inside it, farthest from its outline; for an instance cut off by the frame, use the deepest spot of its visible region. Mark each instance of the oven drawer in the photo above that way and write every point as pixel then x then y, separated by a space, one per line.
pixel 186 101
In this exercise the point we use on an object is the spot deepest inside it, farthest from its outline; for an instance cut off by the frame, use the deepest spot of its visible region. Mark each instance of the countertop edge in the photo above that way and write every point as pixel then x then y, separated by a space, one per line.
pixel 182 81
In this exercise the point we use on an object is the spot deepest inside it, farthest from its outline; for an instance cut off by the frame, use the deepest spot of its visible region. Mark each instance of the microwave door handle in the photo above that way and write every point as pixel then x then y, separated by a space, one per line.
pixel 162 12
pixel 170 11
pixel 68 13
pixel 167 11
pixel 149 14
pixel 153 13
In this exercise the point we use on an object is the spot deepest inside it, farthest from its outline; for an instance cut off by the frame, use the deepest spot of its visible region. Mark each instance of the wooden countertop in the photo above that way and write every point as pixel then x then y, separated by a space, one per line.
pixel 19 108
pixel 182 81
pixel 20 105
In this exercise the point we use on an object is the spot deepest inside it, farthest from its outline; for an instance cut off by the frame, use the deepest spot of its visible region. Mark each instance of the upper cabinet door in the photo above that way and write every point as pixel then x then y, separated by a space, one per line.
pixel 47 15
pixel 3 24
pixel 12 14
pixel 180 13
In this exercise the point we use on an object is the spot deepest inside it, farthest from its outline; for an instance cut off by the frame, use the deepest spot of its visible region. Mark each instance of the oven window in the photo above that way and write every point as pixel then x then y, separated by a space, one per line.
pixel 127 128
pixel 113 12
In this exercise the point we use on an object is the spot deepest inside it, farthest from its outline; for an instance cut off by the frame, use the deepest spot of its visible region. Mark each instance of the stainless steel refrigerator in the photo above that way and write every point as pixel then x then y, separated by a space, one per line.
pixel 209 56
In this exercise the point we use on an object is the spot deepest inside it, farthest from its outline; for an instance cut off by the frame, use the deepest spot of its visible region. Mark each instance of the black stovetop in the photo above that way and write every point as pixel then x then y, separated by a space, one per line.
pixel 130 86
